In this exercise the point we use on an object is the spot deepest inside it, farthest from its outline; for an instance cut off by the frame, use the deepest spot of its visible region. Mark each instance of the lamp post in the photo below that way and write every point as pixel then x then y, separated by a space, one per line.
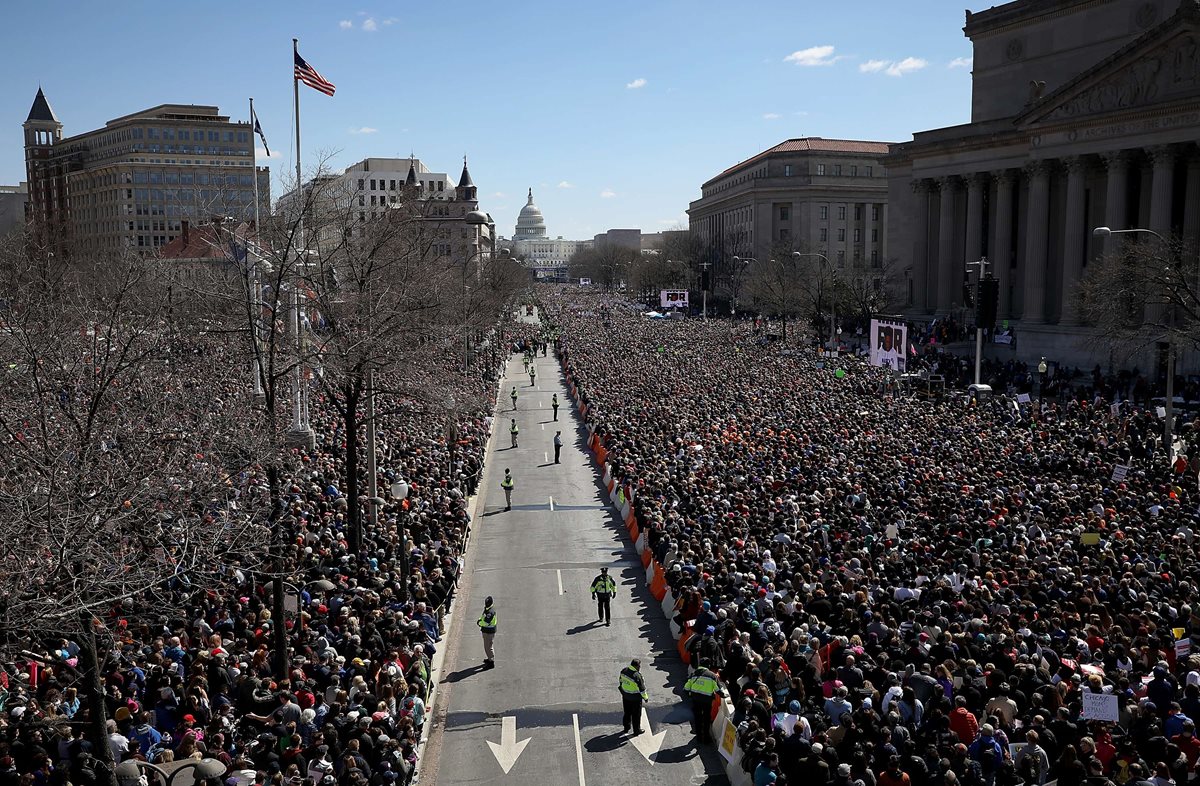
pixel 832 301
pixel 129 773
pixel 323 585
pixel 704 266
pixel 399 490
pixel 1169 424
pixel 983 265
pixel 1042 369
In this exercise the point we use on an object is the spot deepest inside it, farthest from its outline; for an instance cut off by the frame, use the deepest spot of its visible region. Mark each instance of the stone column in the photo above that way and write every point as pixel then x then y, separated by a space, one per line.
pixel 868 224
pixel 1002 244
pixel 920 257
pixel 1161 191
pixel 1074 239
pixel 1037 218
pixel 947 264
pixel 1191 203
pixel 1116 189
pixel 976 182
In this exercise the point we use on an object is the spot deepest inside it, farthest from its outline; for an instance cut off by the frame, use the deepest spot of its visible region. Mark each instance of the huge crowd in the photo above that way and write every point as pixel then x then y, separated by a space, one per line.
pixel 187 671
pixel 904 591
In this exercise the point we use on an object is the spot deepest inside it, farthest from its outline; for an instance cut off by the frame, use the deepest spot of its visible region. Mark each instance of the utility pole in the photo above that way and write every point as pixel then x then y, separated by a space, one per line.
pixel 982 263
pixel 704 266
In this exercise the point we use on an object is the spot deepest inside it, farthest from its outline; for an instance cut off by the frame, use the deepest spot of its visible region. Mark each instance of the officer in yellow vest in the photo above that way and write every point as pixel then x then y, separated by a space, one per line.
pixel 633 693
pixel 507 484
pixel 487 623
pixel 554 405
pixel 701 687
pixel 514 397
pixel 513 431
pixel 603 591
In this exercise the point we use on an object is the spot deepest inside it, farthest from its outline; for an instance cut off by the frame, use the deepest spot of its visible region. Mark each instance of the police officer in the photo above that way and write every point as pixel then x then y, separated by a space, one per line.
pixel 487 623
pixel 557 445
pixel 633 693
pixel 700 687
pixel 514 397
pixel 507 484
pixel 532 375
pixel 604 589
pixel 554 405
pixel 513 431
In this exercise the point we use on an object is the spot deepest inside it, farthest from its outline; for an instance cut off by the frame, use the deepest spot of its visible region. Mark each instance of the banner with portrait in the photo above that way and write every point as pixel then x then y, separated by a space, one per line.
pixel 888 340
pixel 673 298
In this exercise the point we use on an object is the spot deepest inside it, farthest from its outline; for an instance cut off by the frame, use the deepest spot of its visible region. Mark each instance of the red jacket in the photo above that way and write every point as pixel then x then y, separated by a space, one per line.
pixel 964 725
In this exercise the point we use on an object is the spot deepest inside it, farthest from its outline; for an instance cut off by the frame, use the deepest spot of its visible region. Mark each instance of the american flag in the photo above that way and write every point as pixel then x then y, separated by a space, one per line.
pixel 309 76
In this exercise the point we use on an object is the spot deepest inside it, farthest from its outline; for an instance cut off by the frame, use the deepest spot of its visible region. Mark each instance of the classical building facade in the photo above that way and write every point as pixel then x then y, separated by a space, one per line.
pixel 828 196
pixel 1084 113
pixel 132 183
pixel 547 257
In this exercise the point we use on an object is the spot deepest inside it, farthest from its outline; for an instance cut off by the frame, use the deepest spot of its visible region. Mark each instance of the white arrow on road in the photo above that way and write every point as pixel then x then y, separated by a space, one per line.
pixel 509 750
pixel 648 743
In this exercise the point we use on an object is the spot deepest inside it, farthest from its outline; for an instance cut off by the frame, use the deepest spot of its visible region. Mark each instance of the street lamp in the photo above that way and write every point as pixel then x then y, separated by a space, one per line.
pixel 129 773
pixel 1169 424
pixel 1042 368
pixel 322 585
pixel 832 301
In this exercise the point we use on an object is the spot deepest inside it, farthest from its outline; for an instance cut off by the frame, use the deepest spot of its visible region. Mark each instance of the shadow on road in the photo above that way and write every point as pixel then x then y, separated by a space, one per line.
pixel 582 628
pixel 602 743
pixel 678 754
pixel 462 674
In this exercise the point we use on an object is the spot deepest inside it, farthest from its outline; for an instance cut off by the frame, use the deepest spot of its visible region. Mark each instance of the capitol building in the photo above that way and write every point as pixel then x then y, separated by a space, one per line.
pixel 547 257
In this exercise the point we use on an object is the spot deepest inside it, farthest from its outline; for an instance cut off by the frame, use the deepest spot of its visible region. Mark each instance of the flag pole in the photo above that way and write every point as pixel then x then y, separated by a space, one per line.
pixel 296 100
pixel 252 248
pixel 297 422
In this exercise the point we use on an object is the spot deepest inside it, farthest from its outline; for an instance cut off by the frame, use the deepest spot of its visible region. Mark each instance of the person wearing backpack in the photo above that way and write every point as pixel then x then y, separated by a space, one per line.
pixel 987 752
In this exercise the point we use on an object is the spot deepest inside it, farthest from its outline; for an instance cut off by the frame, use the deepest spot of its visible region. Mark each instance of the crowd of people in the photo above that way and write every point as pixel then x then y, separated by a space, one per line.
pixel 903 591
pixel 187 671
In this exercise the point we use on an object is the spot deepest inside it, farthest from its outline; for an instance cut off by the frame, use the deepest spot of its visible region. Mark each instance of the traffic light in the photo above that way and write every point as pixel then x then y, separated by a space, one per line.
pixel 988 303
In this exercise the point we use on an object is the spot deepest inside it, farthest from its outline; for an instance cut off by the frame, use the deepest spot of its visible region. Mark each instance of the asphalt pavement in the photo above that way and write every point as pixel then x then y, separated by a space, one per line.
pixel 549 712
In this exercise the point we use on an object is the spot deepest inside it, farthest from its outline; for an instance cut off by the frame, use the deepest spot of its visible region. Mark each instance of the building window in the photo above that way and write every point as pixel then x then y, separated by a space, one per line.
pixel 824 234
pixel 874 259
pixel 837 170
pixel 841 235
pixel 841 212
pixel 874 235
pixel 820 169
pixel 853 171
pixel 784 233
pixel 360 185
pixel 874 212
pixel 784 213
pixel 841 256
pixel 372 185
pixel 870 171
pixel 787 170
pixel 858 212
pixel 824 212
pixel 858 236
pixel 392 185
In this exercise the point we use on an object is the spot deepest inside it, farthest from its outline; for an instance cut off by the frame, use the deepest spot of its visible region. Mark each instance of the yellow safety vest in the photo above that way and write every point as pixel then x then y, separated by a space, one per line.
pixel 488 620
pixel 629 686
pixel 702 684
pixel 507 482
pixel 513 428
pixel 605 585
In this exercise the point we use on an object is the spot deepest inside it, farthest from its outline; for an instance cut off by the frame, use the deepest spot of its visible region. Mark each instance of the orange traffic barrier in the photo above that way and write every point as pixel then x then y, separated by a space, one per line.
pixel 634 532
pixel 683 651
pixel 646 557
pixel 658 584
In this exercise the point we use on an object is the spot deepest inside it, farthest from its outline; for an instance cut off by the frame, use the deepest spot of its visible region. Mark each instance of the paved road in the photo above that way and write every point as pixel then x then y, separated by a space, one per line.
pixel 556 670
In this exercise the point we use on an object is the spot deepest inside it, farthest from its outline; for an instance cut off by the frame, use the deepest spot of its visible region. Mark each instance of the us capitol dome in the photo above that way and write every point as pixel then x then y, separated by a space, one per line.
pixel 530 223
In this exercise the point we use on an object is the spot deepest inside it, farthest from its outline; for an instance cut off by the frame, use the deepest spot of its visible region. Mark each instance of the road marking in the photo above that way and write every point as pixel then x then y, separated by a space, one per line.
pixel 552 504
pixel 578 750
pixel 509 750
pixel 560 589
pixel 648 744
pixel 543 427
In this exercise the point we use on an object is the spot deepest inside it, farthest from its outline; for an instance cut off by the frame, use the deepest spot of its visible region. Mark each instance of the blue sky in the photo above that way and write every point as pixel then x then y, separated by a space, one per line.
pixel 614 112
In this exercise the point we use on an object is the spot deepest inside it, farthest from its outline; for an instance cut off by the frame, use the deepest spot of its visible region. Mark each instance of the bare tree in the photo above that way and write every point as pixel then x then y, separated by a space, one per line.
pixel 120 483
pixel 607 265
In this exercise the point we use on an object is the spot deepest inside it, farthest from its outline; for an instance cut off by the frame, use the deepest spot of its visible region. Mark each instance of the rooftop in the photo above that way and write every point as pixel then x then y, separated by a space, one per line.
pixel 811 144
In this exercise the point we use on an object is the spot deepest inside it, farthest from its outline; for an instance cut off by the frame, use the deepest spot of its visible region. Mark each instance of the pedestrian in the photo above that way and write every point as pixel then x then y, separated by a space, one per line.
pixel 532 375
pixel 701 687
pixel 554 406
pixel 507 484
pixel 487 625
pixel 557 445
pixel 633 693
pixel 513 396
pixel 513 430
pixel 604 589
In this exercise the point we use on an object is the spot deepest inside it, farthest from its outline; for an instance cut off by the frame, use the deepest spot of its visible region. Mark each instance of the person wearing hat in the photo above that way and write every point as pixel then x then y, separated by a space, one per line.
pixel 987 752
pixel 507 484
pixel 604 589
pixel 487 623
pixel 633 693
pixel 513 430
pixel 513 395
pixel 701 687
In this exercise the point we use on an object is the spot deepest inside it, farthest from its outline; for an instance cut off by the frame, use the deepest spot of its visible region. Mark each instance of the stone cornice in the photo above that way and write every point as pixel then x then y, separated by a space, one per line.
pixel 983 24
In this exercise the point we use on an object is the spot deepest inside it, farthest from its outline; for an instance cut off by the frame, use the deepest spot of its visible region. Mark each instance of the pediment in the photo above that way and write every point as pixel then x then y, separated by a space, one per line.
pixel 1160 67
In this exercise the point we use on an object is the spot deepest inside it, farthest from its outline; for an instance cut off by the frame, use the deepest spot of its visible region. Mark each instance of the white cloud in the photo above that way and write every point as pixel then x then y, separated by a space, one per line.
pixel 800 114
pixel 813 56
pixel 960 62
pixel 364 130
pixel 369 25
pixel 499 194
pixel 871 66
pixel 907 65
pixel 635 84
pixel 565 184
pixel 261 154
pixel 771 116
pixel 345 24
pixel 607 193
pixel 391 20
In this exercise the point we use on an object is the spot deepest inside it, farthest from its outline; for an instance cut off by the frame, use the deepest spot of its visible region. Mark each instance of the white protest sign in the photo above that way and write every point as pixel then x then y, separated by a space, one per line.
pixel 1119 473
pixel 1162 411
pixel 1100 706
pixel 1022 398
